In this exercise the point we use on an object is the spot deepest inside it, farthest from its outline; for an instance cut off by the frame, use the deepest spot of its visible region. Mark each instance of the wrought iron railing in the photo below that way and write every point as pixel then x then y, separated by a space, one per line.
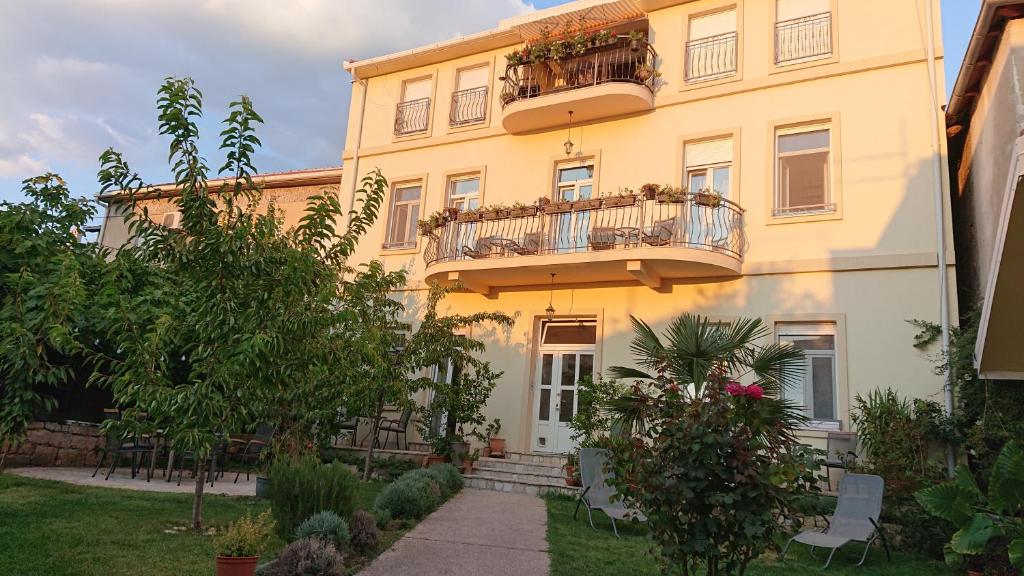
pixel 622 61
pixel 617 223
pixel 710 58
pixel 468 106
pixel 412 116
pixel 804 38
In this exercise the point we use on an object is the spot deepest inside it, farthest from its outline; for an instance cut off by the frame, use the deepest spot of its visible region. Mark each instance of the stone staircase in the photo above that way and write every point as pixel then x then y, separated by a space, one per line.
pixel 521 472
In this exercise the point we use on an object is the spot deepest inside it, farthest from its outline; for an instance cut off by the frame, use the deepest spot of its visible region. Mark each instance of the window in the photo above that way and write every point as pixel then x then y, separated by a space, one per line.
pixel 803 169
pixel 803 30
pixel 469 101
pixel 575 182
pixel 464 192
pixel 413 113
pixel 709 165
pixel 817 393
pixel 405 211
pixel 711 49
pixel 171 220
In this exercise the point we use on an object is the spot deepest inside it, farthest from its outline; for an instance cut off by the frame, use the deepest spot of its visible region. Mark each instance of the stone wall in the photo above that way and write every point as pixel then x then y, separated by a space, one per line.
pixel 53 444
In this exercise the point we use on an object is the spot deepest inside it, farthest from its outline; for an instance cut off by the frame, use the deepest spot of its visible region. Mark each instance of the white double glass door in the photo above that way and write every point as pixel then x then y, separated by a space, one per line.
pixel 559 369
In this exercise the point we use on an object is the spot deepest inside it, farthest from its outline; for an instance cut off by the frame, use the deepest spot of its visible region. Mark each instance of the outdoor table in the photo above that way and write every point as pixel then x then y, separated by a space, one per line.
pixel 630 235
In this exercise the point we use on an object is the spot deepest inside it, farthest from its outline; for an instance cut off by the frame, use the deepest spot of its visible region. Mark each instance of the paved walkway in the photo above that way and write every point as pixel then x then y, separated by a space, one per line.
pixel 123 480
pixel 477 533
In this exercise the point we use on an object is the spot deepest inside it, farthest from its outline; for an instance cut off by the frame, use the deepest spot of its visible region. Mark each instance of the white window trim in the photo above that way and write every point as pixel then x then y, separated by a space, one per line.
pixel 822 328
pixel 830 205
pixel 389 239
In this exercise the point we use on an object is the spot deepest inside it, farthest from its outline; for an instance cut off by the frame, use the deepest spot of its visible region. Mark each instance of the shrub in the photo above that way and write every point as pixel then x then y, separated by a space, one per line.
pixel 447 477
pixel 383 519
pixel 365 537
pixel 246 537
pixel 307 557
pixel 414 495
pixel 301 487
pixel 326 526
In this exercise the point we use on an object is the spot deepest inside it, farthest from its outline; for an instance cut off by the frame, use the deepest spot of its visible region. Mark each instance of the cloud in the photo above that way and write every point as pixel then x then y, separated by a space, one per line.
pixel 20 166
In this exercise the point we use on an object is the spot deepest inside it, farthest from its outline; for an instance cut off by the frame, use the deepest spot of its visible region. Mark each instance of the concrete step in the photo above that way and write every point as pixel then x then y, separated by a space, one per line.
pixel 486 482
pixel 556 460
pixel 519 476
pixel 517 467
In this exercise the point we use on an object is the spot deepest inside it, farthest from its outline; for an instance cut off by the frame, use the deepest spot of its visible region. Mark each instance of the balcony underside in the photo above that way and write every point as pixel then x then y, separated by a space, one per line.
pixel 587 103
pixel 651 266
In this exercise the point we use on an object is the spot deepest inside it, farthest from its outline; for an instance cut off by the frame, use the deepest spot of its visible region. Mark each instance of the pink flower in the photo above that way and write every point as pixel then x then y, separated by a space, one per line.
pixel 735 388
pixel 755 391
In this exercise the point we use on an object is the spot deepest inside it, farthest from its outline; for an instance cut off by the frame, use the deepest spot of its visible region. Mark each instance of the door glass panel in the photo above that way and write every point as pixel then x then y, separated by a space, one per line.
pixel 565 407
pixel 544 414
pixel 568 371
pixel 586 365
pixel 545 370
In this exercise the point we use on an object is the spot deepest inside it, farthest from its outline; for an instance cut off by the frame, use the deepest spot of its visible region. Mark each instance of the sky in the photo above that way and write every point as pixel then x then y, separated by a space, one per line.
pixel 80 76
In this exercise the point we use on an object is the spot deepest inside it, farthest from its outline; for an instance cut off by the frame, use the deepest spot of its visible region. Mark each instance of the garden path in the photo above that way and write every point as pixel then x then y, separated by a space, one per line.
pixel 477 533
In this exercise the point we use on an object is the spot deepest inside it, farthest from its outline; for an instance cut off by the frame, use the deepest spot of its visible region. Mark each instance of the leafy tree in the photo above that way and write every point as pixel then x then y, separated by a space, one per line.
pixel 711 462
pixel 593 420
pixel 47 275
pixel 231 320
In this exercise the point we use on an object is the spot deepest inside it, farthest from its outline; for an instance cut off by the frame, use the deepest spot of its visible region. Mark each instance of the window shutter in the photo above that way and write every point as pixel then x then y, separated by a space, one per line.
pixel 416 89
pixel 790 9
pixel 472 78
pixel 708 152
pixel 713 24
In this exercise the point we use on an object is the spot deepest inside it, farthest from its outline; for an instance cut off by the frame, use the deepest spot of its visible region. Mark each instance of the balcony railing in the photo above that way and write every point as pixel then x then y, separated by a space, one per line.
pixel 468 106
pixel 621 61
pixel 412 116
pixel 617 223
pixel 710 58
pixel 805 38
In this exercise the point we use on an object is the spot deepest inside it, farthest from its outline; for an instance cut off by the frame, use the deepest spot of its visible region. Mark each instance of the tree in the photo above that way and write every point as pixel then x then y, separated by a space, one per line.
pixel 231 320
pixel 711 462
pixel 47 275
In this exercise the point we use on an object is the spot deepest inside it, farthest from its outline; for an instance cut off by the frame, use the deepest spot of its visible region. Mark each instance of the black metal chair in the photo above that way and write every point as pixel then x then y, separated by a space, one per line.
pixel 118 444
pixel 217 454
pixel 350 425
pixel 250 454
pixel 399 427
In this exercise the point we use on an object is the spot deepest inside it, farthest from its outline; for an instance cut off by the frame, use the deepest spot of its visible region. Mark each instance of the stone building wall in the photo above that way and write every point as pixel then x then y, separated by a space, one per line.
pixel 53 444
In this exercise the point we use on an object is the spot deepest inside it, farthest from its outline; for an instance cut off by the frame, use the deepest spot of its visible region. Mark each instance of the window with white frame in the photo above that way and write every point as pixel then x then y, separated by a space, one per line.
pixel 709 166
pixel 803 170
pixel 803 31
pixel 711 46
pixel 469 101
pixel 412 115
pixel 817 393
pixel 464 192
pixel 404 212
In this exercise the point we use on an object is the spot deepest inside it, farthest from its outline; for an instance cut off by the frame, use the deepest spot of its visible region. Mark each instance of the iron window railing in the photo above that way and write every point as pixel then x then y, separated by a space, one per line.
pixel 468 106
pixel 412 116
pixel 618 62
pixel 804 38
pixel 710 58
pixel 618 225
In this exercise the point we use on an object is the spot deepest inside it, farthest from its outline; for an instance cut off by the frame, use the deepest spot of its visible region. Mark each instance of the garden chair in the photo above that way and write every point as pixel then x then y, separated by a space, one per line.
pixel 840 453
pixel 250 454
pixel 217 454
pixel 118 445
pixel 856 518
pixel 483 248
pixel 661 233
pixel 598 493
pixel 399 427
pixel 529 247
pixel 602 238
pixel 347 424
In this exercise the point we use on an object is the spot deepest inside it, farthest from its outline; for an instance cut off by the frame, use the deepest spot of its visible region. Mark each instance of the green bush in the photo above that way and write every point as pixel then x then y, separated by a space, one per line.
pixel 246 537
pixel 307 557
pixel 326 526
pixel 919 532
pixel 383 518
pixel 364 534
pixel 414 495
pixel 447 477
pixel 301 487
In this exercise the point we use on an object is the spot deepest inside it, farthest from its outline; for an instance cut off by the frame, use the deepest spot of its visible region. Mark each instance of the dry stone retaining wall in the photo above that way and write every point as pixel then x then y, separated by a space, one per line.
pixel 53 444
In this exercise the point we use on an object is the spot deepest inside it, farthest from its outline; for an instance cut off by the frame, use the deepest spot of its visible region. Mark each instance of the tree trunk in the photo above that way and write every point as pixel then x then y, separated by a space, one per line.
pixel 197 500
pixel 374 430
pixel 3 457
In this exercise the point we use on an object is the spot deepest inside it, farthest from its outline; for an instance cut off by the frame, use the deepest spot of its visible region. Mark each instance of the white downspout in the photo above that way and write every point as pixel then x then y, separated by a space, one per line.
pixel 940 217
pixel 359 143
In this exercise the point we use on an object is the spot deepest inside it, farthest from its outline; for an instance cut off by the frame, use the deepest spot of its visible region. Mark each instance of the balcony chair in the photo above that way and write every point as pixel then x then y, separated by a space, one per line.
pixel 399 427
pixel 529 247
pixel 855 519
pixel 483 248
pixel 598 492
pixel 661 233
pixel 602 238
pixel 252 451
pixel 841 452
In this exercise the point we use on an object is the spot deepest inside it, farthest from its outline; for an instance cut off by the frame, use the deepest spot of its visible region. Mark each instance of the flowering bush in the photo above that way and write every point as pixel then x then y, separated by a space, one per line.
pixel 712 463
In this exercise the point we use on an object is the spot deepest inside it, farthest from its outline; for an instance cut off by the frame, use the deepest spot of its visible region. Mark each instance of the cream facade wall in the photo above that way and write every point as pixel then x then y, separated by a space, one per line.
pixel 866 268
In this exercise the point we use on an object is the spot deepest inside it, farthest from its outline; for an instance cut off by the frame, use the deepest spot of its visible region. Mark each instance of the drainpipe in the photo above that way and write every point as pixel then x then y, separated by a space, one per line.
pixel 940 218
pixel 359 143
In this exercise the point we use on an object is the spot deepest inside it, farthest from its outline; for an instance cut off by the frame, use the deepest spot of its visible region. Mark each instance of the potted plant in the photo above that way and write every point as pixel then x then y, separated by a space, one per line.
pixel 556 206
pixel 669 194
pixel 468 460
pixel 495 212
pixel 707 197
pixel 645 72
pixel 588 204
pixel 636 37
pixel 649 191
pixel 458 449
pixel 440 449
pixel 625 197
pixel 495 442
pixel 601 38
pixel 472 215
pixel 520 210
pixel 239 547
pixel 571 467
pixel 514 58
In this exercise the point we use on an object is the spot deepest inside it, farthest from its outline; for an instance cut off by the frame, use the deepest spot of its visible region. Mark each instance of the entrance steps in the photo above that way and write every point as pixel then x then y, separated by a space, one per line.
pixel 519 472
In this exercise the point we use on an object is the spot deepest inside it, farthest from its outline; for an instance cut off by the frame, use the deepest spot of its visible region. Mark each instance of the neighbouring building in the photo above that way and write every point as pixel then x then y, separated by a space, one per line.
pixel 800 143
pixel 289 191
pixel 985 125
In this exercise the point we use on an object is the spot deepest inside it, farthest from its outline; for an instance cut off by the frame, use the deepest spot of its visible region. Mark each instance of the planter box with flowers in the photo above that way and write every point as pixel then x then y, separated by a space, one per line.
pixel 669 194
pixel 522 211
pixel 589 204
pixel 494 213
pixel 623 198
pixel 707 197
pixel 559 207
pixel 469 216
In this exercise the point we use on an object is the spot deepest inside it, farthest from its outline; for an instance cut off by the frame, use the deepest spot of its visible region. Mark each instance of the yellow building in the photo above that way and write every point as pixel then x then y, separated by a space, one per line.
pixel 800 153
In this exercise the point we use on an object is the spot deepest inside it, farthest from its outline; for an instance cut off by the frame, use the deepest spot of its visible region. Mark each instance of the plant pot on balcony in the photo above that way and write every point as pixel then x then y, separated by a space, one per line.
pixel 495 214
pixel 617 201
pixel 497 446
pixel 670 199
pixel 709 200
pixel 522 212
pixel 591 204
pixel 468 217
pixel 558 207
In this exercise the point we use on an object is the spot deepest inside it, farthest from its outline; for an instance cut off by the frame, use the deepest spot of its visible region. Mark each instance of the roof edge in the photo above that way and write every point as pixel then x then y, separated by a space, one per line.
pixel 267 181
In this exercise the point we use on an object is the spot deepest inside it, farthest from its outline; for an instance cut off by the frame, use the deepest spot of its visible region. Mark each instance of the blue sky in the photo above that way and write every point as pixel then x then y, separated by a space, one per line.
pixel 86 72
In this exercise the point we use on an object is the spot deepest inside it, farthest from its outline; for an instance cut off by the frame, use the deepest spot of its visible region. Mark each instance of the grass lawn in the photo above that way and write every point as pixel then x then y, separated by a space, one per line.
pixel 57 529
pixel 576 549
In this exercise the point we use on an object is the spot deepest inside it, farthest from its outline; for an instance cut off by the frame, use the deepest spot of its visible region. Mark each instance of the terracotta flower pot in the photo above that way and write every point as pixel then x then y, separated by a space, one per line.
pixel 709 200
pixel 485 451
pixel 570 475
pixel 497 446
pixel 590 204
pixel 433 459
pixel 236 566
pixel 467 467
pixel 617 201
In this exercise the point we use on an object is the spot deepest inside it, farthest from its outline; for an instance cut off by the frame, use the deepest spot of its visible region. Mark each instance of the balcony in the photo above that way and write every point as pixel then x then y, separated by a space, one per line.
pixel 614 79
pixel 412 117
pixel 612 239
pixel 711 58
pixel 803 39
pixel 468 107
